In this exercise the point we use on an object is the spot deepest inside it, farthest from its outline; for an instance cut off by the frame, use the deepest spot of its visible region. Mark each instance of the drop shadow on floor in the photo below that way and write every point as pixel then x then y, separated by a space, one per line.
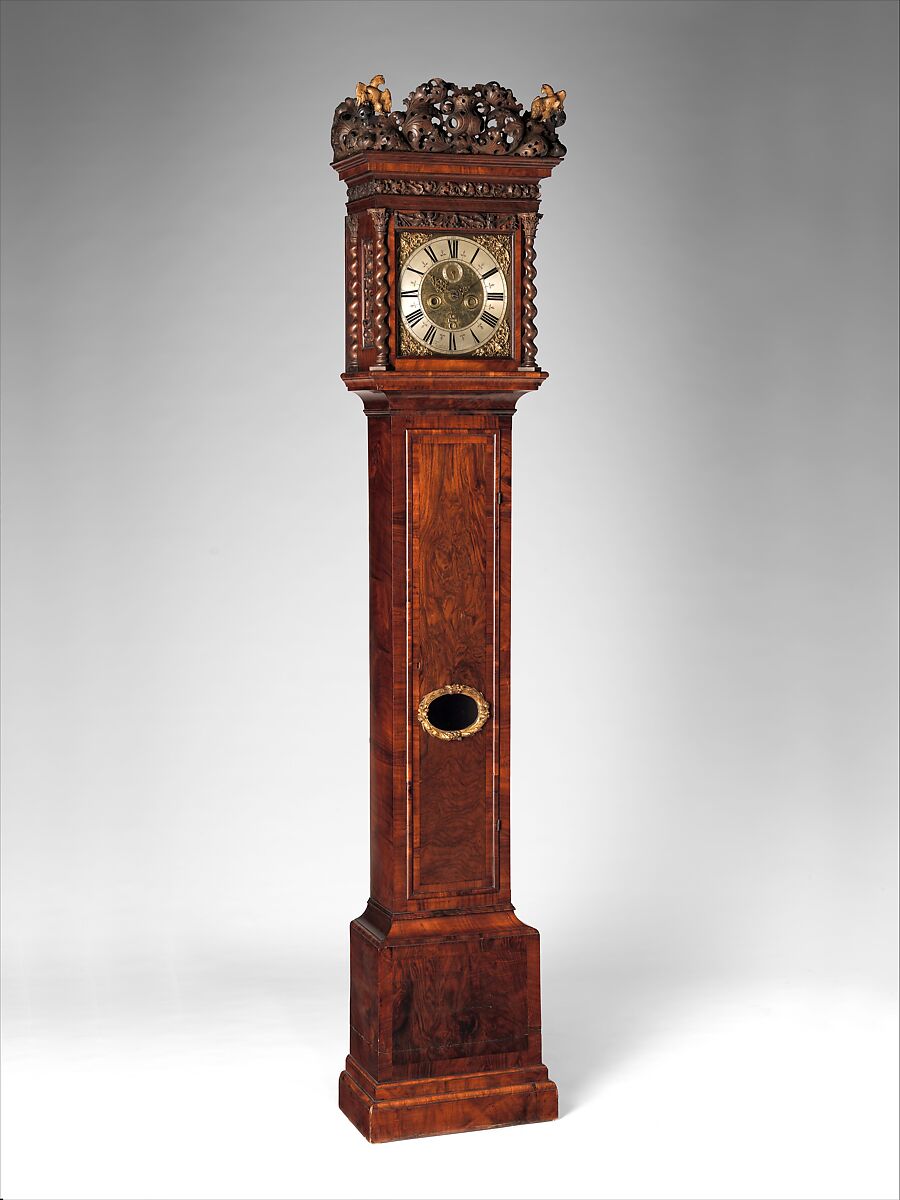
pixel 594 1025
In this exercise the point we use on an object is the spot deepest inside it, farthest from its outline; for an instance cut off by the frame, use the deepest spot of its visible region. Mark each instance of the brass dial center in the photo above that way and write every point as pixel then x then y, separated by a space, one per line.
pixel 452 295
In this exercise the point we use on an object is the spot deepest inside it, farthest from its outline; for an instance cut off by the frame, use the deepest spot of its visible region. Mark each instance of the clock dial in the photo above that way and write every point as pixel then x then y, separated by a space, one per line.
pixel 453 295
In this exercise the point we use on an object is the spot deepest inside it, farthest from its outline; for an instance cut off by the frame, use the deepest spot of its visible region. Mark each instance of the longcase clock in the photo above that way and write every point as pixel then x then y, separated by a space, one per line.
pixel 442 210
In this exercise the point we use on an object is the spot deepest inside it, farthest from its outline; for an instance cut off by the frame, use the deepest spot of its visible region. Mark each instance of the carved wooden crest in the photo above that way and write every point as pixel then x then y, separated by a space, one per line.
pixel 442 117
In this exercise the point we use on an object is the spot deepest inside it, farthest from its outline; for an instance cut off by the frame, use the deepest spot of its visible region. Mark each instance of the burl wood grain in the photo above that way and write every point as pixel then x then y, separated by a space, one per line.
pixel 445 1025
pixel 453 563
pixel 438 568
pixel 455 1002
pixel 384 802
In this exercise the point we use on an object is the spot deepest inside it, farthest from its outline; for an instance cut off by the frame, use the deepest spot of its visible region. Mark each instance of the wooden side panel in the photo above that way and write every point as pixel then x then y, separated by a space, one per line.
pixel 460 1000
pixel 501 734
pixel 364 999
pixel 452 540
pixel 381 800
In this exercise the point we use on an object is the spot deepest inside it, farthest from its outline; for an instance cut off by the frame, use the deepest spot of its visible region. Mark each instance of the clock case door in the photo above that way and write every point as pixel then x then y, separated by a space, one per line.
pixel 439 540
pixel 445 978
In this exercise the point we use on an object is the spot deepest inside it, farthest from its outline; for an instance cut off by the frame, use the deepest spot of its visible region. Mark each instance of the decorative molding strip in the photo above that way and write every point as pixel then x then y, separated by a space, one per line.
pixel 353 297
pixel 443 117
pixel 456 220
pixel 444 187
pixel 379 219
pixel 529 223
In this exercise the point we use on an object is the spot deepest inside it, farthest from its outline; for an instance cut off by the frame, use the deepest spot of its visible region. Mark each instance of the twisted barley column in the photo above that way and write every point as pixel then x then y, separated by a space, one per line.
pixel 528 222
pixel 379 219
pixel 353 303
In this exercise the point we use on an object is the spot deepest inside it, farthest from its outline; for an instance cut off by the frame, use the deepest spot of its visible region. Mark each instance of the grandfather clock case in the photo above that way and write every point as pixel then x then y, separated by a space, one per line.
pixel 442 210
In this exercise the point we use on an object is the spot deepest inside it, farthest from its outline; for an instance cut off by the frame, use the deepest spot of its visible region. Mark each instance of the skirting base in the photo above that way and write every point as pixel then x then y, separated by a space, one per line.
pixel 445 1104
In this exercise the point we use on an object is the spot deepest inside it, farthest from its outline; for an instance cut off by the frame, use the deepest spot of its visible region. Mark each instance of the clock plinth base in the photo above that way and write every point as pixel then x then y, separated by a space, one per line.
pixel 445 1104
pixel 445 1024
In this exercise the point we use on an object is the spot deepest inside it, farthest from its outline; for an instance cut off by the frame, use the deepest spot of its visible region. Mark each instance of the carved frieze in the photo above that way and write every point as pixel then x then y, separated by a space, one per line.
pixel 456 220
pixel 444 187
pixel 445 118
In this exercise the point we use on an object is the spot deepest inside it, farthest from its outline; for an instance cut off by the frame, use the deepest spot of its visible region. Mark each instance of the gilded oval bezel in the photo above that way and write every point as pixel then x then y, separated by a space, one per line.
pixel 453 735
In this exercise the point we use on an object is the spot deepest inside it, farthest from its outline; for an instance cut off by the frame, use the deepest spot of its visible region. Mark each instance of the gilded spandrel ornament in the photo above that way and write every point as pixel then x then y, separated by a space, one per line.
pixel 445 118
pixel 456 220
pixel 497 245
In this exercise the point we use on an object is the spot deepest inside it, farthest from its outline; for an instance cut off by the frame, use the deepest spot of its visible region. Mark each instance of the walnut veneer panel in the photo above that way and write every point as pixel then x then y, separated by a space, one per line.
pixel 452 540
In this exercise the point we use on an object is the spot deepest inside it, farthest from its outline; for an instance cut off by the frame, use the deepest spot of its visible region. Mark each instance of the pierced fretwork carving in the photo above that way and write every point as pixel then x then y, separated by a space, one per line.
pixel 470 188
pixel 482 119
pixel 456 220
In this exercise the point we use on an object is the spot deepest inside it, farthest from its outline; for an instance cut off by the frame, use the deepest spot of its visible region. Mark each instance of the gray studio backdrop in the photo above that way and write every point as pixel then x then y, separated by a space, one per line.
pixel 703 631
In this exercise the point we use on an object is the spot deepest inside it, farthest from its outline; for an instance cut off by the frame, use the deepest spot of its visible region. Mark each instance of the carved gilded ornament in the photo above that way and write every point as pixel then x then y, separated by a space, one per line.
pixel 483 712
pixel 529 223
pixel 456 220
pixel 547 103
pixel 375 93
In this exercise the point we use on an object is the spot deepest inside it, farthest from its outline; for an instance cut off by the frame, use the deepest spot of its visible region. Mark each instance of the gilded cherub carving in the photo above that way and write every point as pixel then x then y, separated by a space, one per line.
pixel 376 94
pixel 547 103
